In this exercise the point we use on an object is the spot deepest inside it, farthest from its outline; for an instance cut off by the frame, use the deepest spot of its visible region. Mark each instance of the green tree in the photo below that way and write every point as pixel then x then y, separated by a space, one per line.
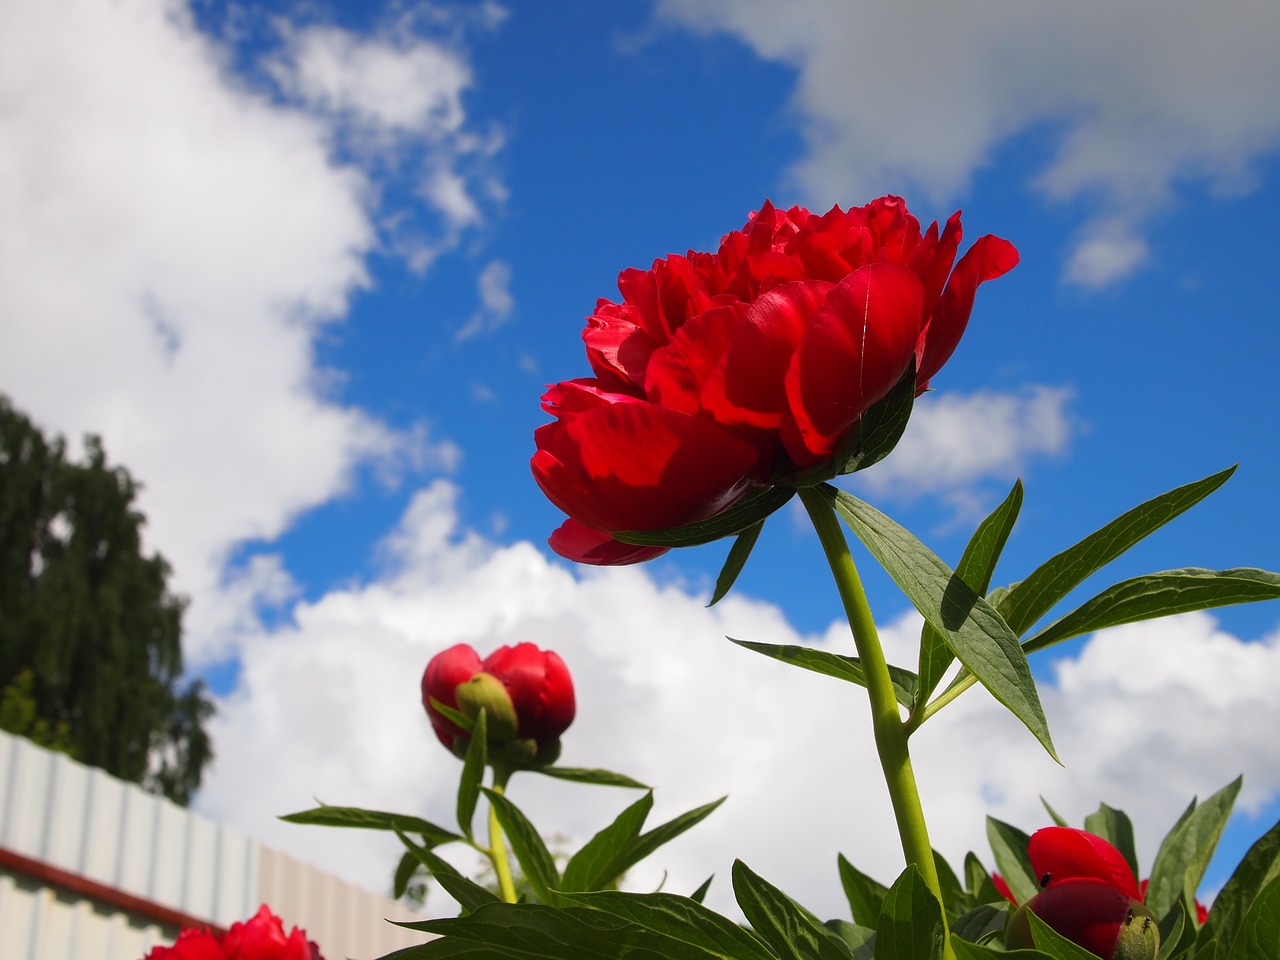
pixel 90 636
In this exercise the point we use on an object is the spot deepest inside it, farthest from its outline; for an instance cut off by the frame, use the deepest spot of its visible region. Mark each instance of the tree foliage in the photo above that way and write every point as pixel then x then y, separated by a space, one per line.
pixel 90 636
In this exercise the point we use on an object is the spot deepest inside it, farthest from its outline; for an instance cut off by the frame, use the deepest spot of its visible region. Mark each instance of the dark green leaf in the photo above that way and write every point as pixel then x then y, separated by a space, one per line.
pixel 977 635
pixel 326 816
pixel 954 898
pixel 736 560
pixel 1177 933
pixel 405 870
pixel 982 922
pixel 864 894
pixel 679 918
pixel 861 941
pixel 452 714
pixel 1184 854
pixel 975 568
pixel 754 509
pixel 595 865
pixel 701 893
pixel 526 843
pixel 1116 828
pixel 651 840
pixel 910 924
pixel 469 895
pixel 833 665
pixel 964 950
pixel 882 426
pixel 1160 595
pixel 1049 941
pixel 977 881
pixel 793 932
pixel 1009 845
pixel 472 774
pixel 1259 937
pixel 1031 599
pixel 1056 817
pixel 1259 867
pixel 603 778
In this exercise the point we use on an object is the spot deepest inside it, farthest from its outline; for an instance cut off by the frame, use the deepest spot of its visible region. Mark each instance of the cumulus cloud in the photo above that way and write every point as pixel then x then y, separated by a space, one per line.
pixel 496 302
pixel 665 698
pixel 173 246
pixel 923 96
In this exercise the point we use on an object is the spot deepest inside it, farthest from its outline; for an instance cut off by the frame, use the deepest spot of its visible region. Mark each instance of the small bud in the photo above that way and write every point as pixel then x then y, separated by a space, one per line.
pixel 1091 914
pixel 486 692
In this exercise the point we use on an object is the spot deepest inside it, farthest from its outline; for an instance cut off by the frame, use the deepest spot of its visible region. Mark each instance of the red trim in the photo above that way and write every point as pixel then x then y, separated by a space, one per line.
pixel 93 890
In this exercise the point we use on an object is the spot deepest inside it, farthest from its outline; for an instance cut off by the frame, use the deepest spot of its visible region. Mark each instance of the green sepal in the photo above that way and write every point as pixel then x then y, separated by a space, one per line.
pixel 792 931
pixel 911 921
pixel 1031 599
pixel 601 778
pixel 735 561
pixel 326 816
pixel 752 509
pixel 526 843
pixel 473 765
pixel 971 627
pixel 1185 852
pixel 833 665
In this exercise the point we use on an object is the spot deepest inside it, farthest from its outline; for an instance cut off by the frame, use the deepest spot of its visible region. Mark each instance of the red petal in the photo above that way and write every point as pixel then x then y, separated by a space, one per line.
pixel 987 259
pixel 1066 853
pixel 748 386
pixel 1087 912
pixel 580 543
pixel 617 348
pixel 677 371
pixel 853 352
pixel 540 687
pixel 445 672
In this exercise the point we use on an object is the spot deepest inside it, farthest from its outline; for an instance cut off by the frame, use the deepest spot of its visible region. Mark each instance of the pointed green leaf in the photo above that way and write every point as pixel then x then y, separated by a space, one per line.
pixel 1259 867
pixel 978 636
pixel 977 882
pixel 983 922
pixel 1259 937
pixel 526 843
pixel 1160 595
pixel 1184 854
pixel 469 894
pixel 861 941
pixel 882 426
pixel 865 895
pixel 592 867
pixel 976 567
pixel 1177 933
pixel 452 714
pixel 1009 845
pixel 954 899
pixel 735 561
pixel 472 774
pixel 1056 817
pixel 1116 828
pixel 679 918
pixel 793 932
pixel 602 778
pixel 326 816
pixel 1031 599
pixel 701 893
pixel 833 665
pixel 405 870
pixel 651 840
pixel 753 509
pixel 910 924
pixel 1050 942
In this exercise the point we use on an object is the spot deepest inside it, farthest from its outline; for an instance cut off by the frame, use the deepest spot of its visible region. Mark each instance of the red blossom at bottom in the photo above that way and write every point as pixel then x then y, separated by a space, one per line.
pixel 261 938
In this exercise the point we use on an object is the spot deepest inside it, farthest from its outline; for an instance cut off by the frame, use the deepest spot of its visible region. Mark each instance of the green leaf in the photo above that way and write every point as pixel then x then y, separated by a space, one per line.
pixel 405 870
pixel 651 840
pixel 1031 599
pixel 976 567
pixel 753 509
pixel 526 843
pixel 701 893
pixel 983 922
pixel 735 561
pixel 1185 853
pixel 1116 828
pixel 452 714
pixel 1009 845
pixel 326 816
pixel 472 774
pixel 964 950
pixel 1160 595
pixel 592 867
pixel 1049 941
pixel 833 665
pixel 910 924
pixel 679 918
pixel 528 931
pixel 977 881
pixel 470 895
pixel 1056 817
pixel 1177 933
pixel 861 941
pixel 864 894
pixel 1259 867
pixel 977 635
pixel 954 898
pixel 1259 937
pixel 603 778
pixel 793 932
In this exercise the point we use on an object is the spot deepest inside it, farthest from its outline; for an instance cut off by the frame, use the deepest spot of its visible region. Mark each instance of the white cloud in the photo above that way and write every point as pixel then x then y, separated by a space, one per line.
pixel 496 302
pixel 171 246
pixel 330 709
pixel 922 96
pixel 953 441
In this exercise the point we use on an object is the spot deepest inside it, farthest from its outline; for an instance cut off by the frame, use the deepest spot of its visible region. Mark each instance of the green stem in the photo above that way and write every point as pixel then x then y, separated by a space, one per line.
pixel 962 684
pixel 497 847
pixel 886 720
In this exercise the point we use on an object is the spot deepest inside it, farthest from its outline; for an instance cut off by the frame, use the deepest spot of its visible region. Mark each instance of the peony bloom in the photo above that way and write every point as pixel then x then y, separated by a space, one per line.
pixel 721 373
pixel 1089 895
pixel 526 693
pixel 261 938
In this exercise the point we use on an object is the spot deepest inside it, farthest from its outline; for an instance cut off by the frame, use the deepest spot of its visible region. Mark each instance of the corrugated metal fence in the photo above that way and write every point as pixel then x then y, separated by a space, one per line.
pixel 92 867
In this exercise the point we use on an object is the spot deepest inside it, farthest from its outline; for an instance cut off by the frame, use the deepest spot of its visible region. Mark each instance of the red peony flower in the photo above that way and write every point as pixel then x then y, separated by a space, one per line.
pixel 526 693
pixel 1089 895
pixel 720 373
pixel 261 938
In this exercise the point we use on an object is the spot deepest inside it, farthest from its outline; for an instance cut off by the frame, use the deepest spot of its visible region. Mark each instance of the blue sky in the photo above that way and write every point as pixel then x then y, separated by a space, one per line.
pixel 307 268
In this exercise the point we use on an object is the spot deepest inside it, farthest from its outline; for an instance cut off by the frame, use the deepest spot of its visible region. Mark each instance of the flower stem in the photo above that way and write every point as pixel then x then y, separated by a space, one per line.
pixel 497 847
pixel 886 720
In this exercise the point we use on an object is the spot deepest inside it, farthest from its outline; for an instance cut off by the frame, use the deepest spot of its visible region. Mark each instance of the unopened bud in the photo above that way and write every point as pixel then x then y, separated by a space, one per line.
pixel 486 692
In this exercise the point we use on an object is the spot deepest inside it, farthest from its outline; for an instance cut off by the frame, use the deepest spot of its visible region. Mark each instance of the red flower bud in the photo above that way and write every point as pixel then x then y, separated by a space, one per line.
pixel 527 695
pixel 1092 914
pixel 718 372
